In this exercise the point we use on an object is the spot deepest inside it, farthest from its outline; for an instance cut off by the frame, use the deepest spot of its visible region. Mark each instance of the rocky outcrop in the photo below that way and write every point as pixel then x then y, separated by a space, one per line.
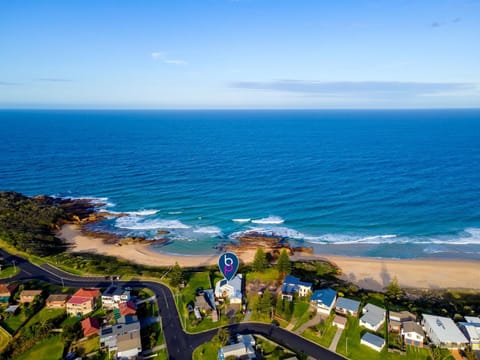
pixel 270 244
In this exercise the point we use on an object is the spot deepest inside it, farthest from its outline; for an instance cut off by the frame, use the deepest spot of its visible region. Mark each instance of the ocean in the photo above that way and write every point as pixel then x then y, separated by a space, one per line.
pixel 393 184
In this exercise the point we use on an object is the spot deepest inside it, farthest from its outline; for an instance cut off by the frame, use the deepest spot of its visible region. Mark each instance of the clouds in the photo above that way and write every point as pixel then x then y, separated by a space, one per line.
pixel 353 88
pixel 436 24
pixel 162 56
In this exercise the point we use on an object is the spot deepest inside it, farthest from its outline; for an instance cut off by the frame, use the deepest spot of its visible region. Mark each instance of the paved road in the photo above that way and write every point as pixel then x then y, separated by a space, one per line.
pixel 180 345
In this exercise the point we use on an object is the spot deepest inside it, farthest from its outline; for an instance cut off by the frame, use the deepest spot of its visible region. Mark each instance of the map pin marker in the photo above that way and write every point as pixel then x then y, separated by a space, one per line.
pixel 228 265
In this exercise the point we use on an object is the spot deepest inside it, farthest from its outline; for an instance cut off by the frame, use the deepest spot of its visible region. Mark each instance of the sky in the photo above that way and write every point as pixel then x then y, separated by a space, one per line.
pixel 240 54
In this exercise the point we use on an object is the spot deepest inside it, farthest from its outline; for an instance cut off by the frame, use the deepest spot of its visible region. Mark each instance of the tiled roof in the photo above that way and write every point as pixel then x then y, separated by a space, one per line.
pixel 90 293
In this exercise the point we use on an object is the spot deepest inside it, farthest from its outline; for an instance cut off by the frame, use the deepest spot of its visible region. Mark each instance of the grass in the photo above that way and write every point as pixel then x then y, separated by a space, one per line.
pixel 271 350
pixel 9 271
pixel 44 315
pixel 301 313
pixel 327 332
pixel 206 351
pixel 49 349
pixel 5 338
pixel 14 322
pixel 269 275
pixel 355 351
pixel 89 345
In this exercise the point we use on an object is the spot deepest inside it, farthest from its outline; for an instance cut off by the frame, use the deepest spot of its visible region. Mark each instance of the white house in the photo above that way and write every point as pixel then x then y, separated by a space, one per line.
pixel 292 285
pixel 244 349
pixel 113 296
pixel 231 289
pixel 443 332
pixel 373 317
pixel 471 329
pixel 323 300
pixel 347 306
pixel 373 341
pixel 412 333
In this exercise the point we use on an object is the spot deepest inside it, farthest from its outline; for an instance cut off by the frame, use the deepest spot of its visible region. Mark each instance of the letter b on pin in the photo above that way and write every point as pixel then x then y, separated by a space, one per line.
pixel 228 265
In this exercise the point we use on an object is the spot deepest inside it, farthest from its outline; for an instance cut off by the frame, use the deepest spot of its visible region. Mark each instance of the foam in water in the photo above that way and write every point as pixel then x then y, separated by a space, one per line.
pixel 270 220
pixel 142 212
pixel 212 230
pixel 174 212
pixel 246 220
pixel 138 223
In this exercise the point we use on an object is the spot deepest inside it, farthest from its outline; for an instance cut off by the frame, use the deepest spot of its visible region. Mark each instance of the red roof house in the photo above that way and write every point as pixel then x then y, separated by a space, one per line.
pixel 90 326
pixel 127 308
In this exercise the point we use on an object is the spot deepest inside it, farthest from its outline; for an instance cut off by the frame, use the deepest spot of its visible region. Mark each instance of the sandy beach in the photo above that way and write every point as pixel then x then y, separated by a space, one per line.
pixel 369 273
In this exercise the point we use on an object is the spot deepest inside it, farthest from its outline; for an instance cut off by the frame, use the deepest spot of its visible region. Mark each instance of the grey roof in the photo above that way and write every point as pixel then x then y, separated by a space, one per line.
pixel 373 339
pixel 373 315
pixel 412 326
pixel 472 319
pixel 348 304
pixel 444 328
pixel 119 329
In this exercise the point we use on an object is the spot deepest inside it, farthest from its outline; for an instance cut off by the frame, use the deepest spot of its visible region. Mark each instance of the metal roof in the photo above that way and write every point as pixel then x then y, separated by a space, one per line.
pixel 325 296
pixel 444 328
pixel 373 339
pixel 348 304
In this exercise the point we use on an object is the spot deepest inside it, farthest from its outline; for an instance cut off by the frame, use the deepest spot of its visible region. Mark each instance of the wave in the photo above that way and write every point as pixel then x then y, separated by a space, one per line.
pixel 277 231
pixel 137 223
pixel 142 212
pixel 175 212
pixel 241 220
pixel 208 230
pixel 94 200
pixel 270 220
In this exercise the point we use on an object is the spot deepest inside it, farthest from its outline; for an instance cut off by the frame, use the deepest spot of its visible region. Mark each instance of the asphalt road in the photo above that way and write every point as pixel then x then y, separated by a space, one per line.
pixel 180 345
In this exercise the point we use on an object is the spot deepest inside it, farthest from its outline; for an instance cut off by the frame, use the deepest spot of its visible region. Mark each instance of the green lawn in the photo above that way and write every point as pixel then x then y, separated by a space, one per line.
pixel 13 322
pixel 301 313
pixel 325 334
pixel 44 315
pixel 49 349
pixel 269 275
pixel 206 351
pixel 5 337
pixel 89 345
pixel 352 348
pixel 8 271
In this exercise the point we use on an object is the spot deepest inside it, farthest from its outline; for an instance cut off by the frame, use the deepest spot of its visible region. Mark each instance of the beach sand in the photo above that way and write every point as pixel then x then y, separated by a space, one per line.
pixel 368 273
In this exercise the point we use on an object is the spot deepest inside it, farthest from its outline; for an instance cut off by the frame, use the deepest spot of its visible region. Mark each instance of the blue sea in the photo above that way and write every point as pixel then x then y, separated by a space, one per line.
pixel 402 184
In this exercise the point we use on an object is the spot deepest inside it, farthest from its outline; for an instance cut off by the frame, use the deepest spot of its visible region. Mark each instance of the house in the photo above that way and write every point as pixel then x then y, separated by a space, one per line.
pixel 90 326
pixel 113 296
pixel 231 289
pixel 340 321
pixel 12 309
pixel 471 329
pixel 347 306
pixel 5 293
pixel 205 301
pixel 412 333
pixel 83 302
pixel 110 335
pixel 127 308
pixel 373 317
pixel 443 332
pixel 27 296
pixel 57 301
pixel 373 341
pixel 243 349
pixel 323 300
pixel 396 319
pixel 129 345
pixel 292 285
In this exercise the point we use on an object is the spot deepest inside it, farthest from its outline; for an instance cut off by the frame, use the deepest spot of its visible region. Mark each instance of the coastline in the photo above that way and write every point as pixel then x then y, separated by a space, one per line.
pixel 368 273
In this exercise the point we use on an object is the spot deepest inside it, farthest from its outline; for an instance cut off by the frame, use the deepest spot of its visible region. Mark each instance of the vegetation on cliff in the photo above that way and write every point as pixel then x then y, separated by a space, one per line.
pixel 29 223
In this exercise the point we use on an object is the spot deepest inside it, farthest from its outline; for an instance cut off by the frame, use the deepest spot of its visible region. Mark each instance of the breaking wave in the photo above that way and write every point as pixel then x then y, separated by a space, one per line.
pixel 270 220
pixel 138 223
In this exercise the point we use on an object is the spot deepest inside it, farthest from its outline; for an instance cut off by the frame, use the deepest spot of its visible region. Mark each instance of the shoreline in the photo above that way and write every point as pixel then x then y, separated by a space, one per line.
pixel 368 273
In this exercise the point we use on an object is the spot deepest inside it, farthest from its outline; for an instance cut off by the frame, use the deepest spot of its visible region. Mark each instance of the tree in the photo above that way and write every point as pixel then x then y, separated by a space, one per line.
pixel 265 303
pixel 260 260
pixel 284 266
pixel 394 291
pixel 223 335
pixel 176 275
